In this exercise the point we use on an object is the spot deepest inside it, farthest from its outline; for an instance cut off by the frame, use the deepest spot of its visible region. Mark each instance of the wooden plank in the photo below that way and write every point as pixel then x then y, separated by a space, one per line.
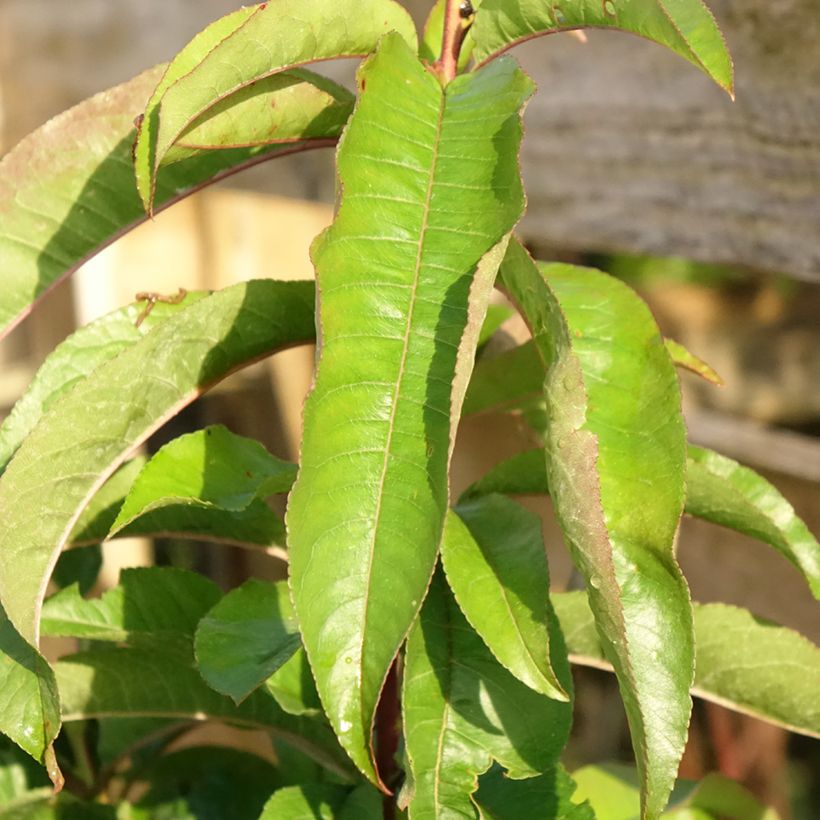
pixel 629 148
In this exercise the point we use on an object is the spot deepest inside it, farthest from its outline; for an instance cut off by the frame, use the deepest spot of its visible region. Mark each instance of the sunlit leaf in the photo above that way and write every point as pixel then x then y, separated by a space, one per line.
pixel 616 457
pixel 496 565
pixel 249 45
pixel 308 801
pixel 246 637
pixel 404 287
pixel 685 26
pixel 720 490
pixel 67 189
pixel 684 358
pixel 462 710
pixel 743 662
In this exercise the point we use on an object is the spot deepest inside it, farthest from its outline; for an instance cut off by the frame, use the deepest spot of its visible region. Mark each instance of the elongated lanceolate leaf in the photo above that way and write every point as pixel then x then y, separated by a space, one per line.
pixel 67 190
pixel 246 637
pixel 431 188
pixel 87 435
pixel 616 458
pixel 250 45
pixel 103 683
pixel 212 468
pixel 743 662
pixel 685 26
pixel 462 710
pixel 725 492
pixel 496 565
pixel 74 359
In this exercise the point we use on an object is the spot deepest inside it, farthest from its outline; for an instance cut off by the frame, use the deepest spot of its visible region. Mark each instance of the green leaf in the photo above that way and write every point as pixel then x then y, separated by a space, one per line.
pixel 247 46
pixel 309 801
pixel 683 358
pixel 616 456
pixel 103 683
pixel 246 637
pixel 288 107
pixel 722 799
pixel 71 361
pixel 364 803
pixel 687 27
pixel 494 557
pixel 611 789
pixel 496 316
pixel 67 190
pixel 401 309
pixel 720 490
pixel 158 607
pixel 212 468
pixel 294 688
pixel 505 381
pixel 86 436
pixel 547 797
pixel 524 473
pixel 20 777
pixel 743 662
pixel 462 710
pixel 29 710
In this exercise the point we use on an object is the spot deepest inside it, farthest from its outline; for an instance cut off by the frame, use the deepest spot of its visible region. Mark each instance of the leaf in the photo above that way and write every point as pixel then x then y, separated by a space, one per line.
pixel 157 607
pixel 67 190
pixel 430 45
pixel 20 777
pixel 743 662
pixel 462 710
pixel 496 316
pixel 308 801
pixel 79 566
pixel 85 438
pixel 721 798
pixel 724 492
pixel 494 557
pixel 524 473
pixel 246 637
pixel 288 107
pixel 249 45
pixel 103 683
pixel 687 27
pixel 212 468
pixel 294 688
pixel 364 803
pixel 616 455
pixel 505 381
pixel 683 358
pixel 29 710
pixel 546 797
pixel 72 360
pixel 401 309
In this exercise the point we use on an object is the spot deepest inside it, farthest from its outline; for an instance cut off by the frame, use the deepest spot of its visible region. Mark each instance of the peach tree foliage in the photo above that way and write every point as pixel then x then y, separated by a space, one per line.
pixel 415 663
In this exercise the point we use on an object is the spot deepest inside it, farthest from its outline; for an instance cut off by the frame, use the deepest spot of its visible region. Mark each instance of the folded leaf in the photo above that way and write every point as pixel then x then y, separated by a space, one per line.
pixel 249 45
pixel 246 637
pixel 462 710
pixel 720 490
pixel 496 565
pixel 743 662
pixel 401 310
pixel 505 381
pixel 683 358
pixel 71 361
pixel 84 439
pixel 103 684
pixel 685 26
pixel 211 468
pixel 67 190
pixel 616 455
pixel 156 607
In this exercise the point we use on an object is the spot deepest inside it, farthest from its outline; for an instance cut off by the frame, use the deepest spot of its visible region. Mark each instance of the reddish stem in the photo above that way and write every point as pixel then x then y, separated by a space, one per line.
pixel 447 63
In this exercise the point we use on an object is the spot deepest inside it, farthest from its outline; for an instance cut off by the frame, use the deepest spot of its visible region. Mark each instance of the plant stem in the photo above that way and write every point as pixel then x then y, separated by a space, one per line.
pixel 447 63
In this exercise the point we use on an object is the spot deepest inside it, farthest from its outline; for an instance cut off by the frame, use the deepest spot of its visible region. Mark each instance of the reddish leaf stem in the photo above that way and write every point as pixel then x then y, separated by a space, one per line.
pixel 447 64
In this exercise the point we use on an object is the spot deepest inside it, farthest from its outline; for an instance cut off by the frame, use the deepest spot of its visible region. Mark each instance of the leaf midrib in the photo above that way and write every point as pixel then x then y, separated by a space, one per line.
pixel 396 394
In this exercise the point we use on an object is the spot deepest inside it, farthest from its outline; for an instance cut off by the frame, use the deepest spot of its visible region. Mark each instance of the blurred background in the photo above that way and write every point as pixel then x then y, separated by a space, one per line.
pixel 632 162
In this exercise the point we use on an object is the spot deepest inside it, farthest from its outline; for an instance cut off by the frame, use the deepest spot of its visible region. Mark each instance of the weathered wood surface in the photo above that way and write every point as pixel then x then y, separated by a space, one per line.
pixel 628 147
